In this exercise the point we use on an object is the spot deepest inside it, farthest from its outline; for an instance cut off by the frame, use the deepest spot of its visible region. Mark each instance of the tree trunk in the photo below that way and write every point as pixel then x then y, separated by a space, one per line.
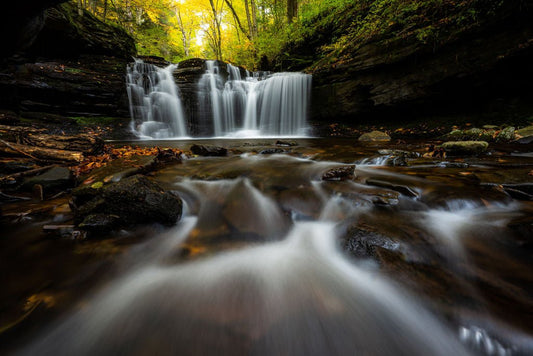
pixel 292 10
pixel 248 18
pixel 39 153
pixel 184 38
pixel 217 32
pixel 237 20
pixel 80 8
pixel 254 18
pixel 105 10
pixel 36 137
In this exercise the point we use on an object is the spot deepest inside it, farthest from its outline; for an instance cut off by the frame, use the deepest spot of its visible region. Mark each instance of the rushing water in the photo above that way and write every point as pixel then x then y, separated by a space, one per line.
pixel 258 104
pixel 155 106
pixel 271 259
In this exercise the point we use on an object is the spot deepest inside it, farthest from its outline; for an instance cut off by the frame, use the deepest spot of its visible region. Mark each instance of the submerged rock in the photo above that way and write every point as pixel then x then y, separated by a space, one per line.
pixel 133 200
pixel 402 189
pixel 209 151
pixel 374 136
pixel 286 143
pixel 363 243
pixel 339 173
pixel 460 148
pixel 271 151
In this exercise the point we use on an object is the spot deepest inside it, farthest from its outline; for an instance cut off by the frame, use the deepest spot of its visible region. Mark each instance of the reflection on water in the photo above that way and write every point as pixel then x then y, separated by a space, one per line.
pixel 270 259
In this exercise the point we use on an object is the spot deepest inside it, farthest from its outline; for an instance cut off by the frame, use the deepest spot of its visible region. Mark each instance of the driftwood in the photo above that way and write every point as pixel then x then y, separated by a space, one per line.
pixel 39 153
pixel 30 136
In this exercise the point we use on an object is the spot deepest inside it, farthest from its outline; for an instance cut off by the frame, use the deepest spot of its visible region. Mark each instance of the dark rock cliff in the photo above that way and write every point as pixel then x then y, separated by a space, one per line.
pixel 73 66
pixel 484 70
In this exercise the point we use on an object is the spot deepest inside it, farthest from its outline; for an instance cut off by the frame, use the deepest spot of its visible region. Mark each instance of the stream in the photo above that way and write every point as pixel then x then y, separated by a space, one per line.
pixel 273 256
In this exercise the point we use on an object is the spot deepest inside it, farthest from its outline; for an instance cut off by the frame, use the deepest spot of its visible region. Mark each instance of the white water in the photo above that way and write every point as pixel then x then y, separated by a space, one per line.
pixel 296 296
pixel 266 105
pixel 155 106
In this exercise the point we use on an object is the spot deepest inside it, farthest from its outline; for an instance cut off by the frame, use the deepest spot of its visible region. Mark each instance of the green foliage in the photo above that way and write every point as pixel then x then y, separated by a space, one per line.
pixel 325 33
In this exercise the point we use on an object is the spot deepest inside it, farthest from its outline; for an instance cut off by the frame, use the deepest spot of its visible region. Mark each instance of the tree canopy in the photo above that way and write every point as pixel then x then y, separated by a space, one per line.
pixel 255 33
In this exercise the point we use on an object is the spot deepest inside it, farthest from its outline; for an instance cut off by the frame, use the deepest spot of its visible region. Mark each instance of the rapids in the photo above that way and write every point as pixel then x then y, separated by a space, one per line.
pixel 272 259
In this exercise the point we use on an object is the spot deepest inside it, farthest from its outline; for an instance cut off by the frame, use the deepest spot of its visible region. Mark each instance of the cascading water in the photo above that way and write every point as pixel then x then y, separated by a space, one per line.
pixel 155 106
pixel 259 105
pixel 273 257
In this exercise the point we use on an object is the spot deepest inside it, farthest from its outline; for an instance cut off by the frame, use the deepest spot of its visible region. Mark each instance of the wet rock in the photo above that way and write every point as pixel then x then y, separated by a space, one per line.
pixel 465 148
pixel 398 158
pixel 100 223
pixel 402 189
pixel 362 243
pixel 134 200
pixel 374 136
pixel 407 154
pixel 525 140
pixel 56 178
pixel 61 231
pixel 339 173
pixel 519 191
pixel 304 202
pixel 209 151
pixel 506 135
pixel 271 151
pixel 286 143
pixel 252 215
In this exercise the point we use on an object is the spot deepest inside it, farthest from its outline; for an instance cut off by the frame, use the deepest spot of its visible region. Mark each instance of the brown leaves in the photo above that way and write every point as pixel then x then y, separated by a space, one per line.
pixel 111 153
pixel 434 152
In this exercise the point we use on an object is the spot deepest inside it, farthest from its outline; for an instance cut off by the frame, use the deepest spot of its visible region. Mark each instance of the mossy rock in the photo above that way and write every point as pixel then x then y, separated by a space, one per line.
pixel 465 148
pixel 374 136
pixel 506 135
pixel 526 131
pixel 133 200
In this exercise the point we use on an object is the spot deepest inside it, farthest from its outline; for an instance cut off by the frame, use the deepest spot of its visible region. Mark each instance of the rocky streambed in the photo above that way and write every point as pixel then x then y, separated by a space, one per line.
pixel 259 242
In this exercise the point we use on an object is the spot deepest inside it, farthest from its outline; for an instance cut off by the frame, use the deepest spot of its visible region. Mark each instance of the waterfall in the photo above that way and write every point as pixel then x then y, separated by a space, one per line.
pixel 155 105
pixel 231 102
pixel 261 104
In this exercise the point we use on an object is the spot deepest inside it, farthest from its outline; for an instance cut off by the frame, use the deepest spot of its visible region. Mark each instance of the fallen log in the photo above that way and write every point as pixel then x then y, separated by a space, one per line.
pixel 39 153
pixel 31 136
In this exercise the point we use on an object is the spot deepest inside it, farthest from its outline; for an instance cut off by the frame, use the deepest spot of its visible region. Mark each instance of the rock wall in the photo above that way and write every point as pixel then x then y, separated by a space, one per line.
pixel 478 71
pixel 74 66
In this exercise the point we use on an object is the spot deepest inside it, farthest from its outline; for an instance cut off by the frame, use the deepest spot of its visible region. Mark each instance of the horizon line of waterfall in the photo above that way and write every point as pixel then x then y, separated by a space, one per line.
pixel 236 103
pixel 155 106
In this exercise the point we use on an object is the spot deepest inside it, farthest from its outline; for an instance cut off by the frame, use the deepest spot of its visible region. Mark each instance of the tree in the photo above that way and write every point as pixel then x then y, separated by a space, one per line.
pixel 292 10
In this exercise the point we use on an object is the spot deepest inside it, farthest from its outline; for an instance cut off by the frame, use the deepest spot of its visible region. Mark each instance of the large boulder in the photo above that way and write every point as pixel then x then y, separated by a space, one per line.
pixel 133 200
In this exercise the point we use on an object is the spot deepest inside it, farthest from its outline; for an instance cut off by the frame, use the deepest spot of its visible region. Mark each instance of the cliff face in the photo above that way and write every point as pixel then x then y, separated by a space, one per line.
pixel 74 66
pixel 480 69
